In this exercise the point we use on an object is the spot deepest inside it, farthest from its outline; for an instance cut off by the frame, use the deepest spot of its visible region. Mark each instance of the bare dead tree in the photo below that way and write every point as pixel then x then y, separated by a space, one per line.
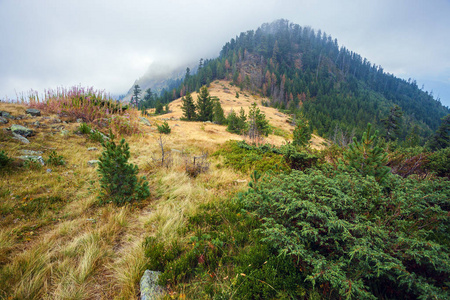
pixel 166 156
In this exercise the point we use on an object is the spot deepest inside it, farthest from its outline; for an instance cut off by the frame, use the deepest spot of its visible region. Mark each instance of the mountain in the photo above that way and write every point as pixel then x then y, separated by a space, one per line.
pixel 158 77
pixel 305 71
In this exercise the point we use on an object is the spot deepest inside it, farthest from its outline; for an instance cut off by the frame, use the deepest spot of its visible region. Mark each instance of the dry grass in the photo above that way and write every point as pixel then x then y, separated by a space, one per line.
pixel 78 250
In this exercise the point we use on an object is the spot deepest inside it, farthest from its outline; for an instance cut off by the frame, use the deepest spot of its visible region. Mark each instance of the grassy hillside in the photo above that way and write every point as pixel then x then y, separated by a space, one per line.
pixel 256 221
pixel 56 242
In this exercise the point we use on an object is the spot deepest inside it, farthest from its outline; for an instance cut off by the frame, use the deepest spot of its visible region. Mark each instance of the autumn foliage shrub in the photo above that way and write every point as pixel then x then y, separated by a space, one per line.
pixel 90 105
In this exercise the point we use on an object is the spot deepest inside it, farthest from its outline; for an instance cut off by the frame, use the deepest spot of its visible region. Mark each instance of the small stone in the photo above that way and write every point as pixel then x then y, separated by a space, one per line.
pixel 145 121
pixel 20 138
pixel 176 125
pixel 92 149
pixel 33 111
pixel 3 120
pixel 30 152
pixel 149 285
pixel 56 121
pixel 93 163
pixel 36 124
pixel 34 158
pixel 79 120
pixel 21 130
pixel 49 170
pixel 240 181
pixel 65 132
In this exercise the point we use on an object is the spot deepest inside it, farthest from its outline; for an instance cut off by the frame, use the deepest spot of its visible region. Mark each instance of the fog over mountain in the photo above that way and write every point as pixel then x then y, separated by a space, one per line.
pixel 110 44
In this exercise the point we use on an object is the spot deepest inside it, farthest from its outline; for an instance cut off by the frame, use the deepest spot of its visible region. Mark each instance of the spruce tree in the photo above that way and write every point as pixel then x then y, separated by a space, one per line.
pixel 441 139
pixel 258 122
pixel 136 95
pixel 302 133
pixel 204 105
pixel 218 114
pixel 242 121
pixel 393 123
pixel 188 108
pixel 118 178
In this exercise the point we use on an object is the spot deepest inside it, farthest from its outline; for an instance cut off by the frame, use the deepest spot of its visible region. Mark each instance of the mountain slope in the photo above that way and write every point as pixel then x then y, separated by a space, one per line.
pixel 303 70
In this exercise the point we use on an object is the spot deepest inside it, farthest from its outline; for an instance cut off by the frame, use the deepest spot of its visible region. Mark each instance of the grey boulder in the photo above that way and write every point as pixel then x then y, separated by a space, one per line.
pixel 33 111
pixel 21 130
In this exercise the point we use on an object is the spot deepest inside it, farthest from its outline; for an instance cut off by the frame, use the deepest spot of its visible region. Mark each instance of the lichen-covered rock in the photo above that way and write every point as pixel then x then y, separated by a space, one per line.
pixel 145 121
pixel 5 114
pixel 92 149
pixel 149 285
pixel 34 158
pixel 3 120
pixel 20 138
pixel 33 111
pixel 30 152
pixel 93 163
pixel 21 130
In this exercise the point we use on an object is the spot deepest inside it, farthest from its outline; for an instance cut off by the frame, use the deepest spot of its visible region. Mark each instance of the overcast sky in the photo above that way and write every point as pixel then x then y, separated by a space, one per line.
pixel 109 44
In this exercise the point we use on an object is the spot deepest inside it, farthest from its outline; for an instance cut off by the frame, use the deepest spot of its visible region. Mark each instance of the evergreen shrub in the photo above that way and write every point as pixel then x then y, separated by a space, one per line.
pixel 355 239
pixel 118 178
pixel 164 128
pixel 4 159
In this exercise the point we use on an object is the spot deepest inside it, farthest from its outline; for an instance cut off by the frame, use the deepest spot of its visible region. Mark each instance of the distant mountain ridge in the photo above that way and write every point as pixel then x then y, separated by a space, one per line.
pixel 303 70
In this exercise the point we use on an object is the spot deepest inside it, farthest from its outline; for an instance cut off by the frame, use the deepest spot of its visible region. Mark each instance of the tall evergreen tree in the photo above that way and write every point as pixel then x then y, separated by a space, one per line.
pixel 218 114
pixel 258 123
pixel 441 139
pixel 136 95
pixel 188 108
pixel 204 105
pixel 393 123
pixel 302 133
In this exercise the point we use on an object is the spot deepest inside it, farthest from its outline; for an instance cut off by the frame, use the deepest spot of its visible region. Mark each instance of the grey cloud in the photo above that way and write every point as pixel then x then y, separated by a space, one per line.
pixel 110 44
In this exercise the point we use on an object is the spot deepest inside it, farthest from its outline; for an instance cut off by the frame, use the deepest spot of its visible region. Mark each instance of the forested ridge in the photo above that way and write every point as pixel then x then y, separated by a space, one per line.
pixel 303 70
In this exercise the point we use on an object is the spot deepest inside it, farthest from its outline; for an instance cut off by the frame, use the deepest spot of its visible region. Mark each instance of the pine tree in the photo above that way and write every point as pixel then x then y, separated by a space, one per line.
pixel 118 178
pixel 188 108
pixel 366 157
pixel 204 105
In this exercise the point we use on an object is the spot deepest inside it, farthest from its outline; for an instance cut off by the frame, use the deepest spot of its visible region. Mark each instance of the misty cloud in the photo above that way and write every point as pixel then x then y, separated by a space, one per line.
pixel 110 44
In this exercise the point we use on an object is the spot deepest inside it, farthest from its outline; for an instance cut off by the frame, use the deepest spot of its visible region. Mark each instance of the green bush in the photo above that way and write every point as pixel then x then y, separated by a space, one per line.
pixel 84 128
pixel 247 158
pixel 4 159
pixel 439 162
pixel 55 160
pixel 118 178
pixel 354 238
pixel 164 128
pixel 366 157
